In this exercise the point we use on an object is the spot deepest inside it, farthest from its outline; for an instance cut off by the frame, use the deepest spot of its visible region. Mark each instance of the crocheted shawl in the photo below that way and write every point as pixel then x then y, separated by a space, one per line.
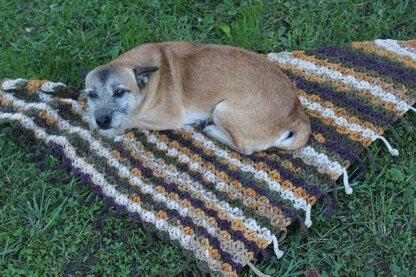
pixel 221 207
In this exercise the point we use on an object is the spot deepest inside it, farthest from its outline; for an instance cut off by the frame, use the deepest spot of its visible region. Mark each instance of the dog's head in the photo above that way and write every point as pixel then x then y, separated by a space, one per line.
pixel 113 92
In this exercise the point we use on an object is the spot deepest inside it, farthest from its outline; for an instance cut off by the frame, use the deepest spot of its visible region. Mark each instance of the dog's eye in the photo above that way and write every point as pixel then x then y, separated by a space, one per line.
pixel 92 94
pixel 120 92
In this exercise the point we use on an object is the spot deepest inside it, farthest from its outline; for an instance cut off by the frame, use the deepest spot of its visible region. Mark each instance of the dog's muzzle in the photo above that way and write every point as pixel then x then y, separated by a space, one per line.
pixel 103 121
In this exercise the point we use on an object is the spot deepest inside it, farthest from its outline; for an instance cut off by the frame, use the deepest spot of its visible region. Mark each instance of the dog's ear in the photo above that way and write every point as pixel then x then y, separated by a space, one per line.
pixel 82 72
pixel 142 73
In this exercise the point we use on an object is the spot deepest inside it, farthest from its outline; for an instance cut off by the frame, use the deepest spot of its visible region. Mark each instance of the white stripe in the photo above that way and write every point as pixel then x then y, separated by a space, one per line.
pixel 375 90
pixel 13 84
pixel 51 86
pixel 322 158
pixel 394 47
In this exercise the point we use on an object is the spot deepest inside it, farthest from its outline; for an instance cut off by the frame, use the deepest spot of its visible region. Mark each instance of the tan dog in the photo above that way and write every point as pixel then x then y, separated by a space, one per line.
pixel 251 104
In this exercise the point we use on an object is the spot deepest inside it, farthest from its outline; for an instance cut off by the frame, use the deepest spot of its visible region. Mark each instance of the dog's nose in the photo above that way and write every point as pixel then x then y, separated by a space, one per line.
pixel 103 121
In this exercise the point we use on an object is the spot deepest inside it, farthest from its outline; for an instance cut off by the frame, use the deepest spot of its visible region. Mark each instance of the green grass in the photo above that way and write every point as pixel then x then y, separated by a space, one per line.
pixel 44 232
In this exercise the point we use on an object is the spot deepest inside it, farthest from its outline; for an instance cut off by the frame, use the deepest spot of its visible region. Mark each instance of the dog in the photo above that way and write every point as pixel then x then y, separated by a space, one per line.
pixel 250 104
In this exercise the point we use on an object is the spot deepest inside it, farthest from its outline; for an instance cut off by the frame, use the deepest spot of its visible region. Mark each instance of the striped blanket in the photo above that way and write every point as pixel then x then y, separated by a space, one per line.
pixel 221 207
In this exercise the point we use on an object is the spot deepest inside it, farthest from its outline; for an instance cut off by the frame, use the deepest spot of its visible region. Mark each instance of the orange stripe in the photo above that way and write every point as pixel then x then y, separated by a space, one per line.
pixel 409 43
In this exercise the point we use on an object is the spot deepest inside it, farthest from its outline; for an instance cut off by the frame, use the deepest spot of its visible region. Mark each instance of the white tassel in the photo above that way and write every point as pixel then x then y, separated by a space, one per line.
pixel 413 109
pixel 279 253
pixel 392 150
pixel 256 271
pixel 308 221
pixel 348 188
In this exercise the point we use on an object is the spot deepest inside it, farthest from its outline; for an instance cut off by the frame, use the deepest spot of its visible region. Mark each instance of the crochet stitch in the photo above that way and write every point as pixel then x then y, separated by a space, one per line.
pixel 222 207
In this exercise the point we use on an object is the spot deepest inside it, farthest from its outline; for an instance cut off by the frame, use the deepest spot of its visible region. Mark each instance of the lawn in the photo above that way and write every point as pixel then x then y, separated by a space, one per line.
pixel 45 231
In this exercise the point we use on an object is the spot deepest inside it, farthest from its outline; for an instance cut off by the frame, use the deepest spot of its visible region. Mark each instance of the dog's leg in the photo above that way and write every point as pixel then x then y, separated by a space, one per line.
pixel 218 132
pixel 222 136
